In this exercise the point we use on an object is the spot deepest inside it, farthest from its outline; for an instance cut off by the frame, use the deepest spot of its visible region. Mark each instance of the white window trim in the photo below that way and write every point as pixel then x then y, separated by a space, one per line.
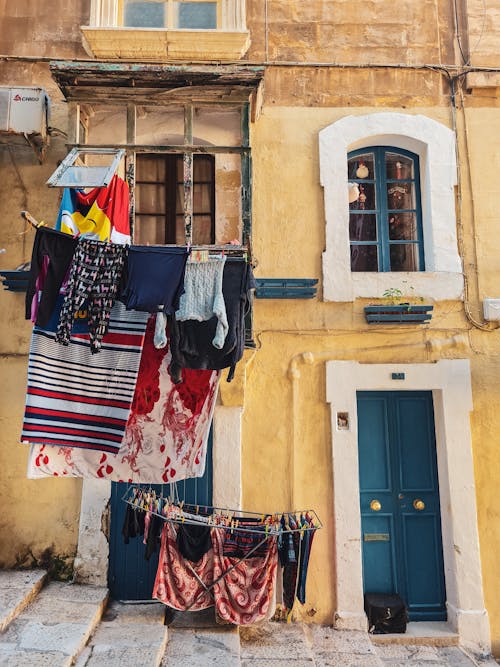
pixel 450 383
pixel 434 143
pixel 104 14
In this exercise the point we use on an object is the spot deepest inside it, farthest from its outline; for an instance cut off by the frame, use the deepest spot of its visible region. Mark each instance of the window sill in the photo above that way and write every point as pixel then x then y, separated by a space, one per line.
pixel 436 285
pixel 153 44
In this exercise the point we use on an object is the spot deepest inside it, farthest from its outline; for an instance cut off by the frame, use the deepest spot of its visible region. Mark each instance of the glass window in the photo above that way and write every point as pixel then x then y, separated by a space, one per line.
pixel 159 200
pixel 173 14
pixel 385 220
pixel 196 15
pixel 144 15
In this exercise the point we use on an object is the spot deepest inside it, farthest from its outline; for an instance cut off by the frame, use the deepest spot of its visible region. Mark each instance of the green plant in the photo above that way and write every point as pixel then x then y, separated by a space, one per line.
pixel 395 296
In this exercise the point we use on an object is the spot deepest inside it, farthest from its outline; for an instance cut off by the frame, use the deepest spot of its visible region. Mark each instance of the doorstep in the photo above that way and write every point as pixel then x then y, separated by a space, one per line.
pixel 424 633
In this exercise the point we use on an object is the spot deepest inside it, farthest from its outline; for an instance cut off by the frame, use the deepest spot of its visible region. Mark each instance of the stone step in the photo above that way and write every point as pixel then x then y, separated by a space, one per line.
pixel 128 635
pixel 17 589
pixel 196 640
pixel 422 633
pixel 53 629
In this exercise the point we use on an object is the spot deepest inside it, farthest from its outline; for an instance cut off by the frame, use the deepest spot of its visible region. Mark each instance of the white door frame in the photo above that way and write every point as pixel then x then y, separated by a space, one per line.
pixel 450 383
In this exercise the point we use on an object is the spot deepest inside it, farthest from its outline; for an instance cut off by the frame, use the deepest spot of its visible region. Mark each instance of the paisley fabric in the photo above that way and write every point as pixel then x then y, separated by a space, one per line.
pixel 244 595
pixel 175 584
pixel 166 435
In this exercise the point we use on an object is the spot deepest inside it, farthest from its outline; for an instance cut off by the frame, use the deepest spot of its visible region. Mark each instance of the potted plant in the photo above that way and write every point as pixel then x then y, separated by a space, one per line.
pixel 399 308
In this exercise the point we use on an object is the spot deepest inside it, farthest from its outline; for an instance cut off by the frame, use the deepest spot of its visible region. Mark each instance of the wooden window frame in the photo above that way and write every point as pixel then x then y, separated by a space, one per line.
pixel 171 183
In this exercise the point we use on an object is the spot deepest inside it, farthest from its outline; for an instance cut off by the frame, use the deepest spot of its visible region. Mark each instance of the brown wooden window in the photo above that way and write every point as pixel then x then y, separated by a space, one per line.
pixel 159 200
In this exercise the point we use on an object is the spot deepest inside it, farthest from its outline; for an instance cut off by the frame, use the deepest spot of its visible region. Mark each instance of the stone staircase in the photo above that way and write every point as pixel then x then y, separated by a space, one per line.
pixel 54 624
pixel 45 624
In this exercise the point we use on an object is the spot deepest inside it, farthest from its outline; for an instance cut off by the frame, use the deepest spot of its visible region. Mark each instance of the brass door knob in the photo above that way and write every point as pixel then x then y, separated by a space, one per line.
pixel 418 504
pixel 375 505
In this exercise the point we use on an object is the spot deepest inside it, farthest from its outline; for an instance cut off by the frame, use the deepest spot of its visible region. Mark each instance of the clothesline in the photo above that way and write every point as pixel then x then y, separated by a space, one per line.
pixel 271 522
pixel 206 577
pixel 229 248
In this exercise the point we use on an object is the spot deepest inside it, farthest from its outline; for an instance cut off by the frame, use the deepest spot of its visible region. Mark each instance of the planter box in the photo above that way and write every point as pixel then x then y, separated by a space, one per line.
pixel 403 313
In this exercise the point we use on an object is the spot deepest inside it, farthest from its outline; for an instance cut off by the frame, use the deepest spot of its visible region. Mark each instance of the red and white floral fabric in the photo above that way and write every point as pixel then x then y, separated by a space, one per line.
pixel 175 584
pixel 166 435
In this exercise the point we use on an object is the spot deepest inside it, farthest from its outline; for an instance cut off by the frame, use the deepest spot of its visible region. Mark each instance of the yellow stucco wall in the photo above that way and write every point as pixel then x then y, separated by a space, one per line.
pixel 288 242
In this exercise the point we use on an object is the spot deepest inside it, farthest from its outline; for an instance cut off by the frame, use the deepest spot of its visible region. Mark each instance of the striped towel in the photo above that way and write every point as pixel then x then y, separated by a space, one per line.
pixel 79 399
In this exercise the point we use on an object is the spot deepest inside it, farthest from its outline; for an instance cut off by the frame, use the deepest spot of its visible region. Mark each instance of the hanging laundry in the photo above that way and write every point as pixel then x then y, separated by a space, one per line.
pixel 244 583
pixel 193 541
pixel 93 282
pixel 155 278
pixel 77 399
pixel 179 584
pixel 152 539
pixel 133 524
pixel 191 342
pixel 307 539
pixel 245 594
pixel 240 543
pixel 101 213
pixel 203 298
pixel 294 550
pixel 166 435
pixel 50 261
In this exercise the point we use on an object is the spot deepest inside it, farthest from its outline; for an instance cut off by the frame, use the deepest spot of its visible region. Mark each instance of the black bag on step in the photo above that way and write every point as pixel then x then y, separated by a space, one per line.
pixel 386 613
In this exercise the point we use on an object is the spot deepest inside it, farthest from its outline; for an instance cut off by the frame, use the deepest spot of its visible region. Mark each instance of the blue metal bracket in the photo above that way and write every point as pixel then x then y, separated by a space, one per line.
pixel 15 281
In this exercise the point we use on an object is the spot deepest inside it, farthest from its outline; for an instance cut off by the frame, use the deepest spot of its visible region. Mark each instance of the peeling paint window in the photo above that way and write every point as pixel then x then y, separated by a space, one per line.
pixel 159 199
pixel 87 168
pixel 385 217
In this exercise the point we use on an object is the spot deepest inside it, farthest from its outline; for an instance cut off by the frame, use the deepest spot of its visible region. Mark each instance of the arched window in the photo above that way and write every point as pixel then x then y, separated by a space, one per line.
pixel 385 214
pixel 411 214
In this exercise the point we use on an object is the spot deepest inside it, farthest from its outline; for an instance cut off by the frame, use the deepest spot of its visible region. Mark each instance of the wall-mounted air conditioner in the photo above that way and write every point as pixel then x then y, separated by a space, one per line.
pixel 24 110
pixel 24 118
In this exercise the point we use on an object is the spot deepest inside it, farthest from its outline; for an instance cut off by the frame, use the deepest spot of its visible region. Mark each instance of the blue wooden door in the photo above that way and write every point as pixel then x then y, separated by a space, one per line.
pixel 130 575
pixel 400 515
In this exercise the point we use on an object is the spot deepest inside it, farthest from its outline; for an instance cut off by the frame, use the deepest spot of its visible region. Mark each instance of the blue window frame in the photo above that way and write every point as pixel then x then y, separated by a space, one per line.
pixel 385 212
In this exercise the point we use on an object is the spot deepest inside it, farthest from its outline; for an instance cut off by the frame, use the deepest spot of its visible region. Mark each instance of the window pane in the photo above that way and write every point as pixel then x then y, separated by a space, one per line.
pixel 202 229
pixel 180 232
pixel 362 227
pixel 361 166
pixel 364 258
pixel 149 230
pixel 201 198
pixel 150 199
pixel 150 168
pixel 403 227
pixel 399 166
pixel 367 198
pixel 404 257
pixel 202 168
pixel 144 15
pixel 196 15
pixel 400 195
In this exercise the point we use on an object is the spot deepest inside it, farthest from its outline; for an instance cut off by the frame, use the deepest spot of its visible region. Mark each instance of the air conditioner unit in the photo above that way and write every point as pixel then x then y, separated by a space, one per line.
pixel 24 111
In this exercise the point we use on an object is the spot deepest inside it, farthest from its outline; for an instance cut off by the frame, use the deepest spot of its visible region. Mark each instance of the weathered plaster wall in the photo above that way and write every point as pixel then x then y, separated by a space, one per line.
pixel 347 31
pixel 41 524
